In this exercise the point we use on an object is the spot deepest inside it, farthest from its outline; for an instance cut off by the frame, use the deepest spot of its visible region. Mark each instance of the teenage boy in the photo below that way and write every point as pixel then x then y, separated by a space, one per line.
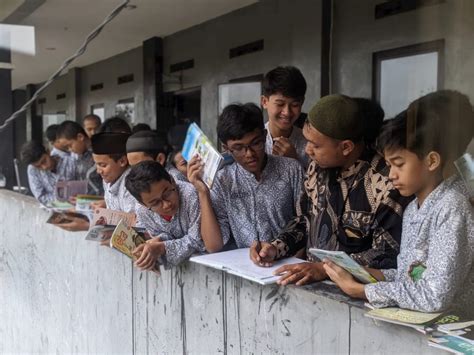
pixel 435 265
pixel 177 166
pixel 146 145
pixel 283 93
pixel 110 157
pixel 73 136
pixel 91 124
pixel 169 210
pixel 257 194
pixel 353 205
pixel 44 171
pixel 57 147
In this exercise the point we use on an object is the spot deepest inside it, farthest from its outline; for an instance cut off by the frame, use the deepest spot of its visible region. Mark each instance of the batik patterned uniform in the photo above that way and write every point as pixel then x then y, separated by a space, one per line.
pixel 43 183
pixel 435 265
pixel 117 196
pixel 244 205
pixel 298 141
pixel 176 174
pixel 181 235
pixel 357 211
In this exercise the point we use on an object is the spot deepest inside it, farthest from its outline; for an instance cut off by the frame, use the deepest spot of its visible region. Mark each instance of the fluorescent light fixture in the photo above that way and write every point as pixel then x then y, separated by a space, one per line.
pixel 19 39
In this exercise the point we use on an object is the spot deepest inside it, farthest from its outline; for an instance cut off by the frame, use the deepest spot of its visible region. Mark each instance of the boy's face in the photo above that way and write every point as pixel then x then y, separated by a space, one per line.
pixel 181 164
pixel 325 151
pixel 137 157
pixel 78 145
pixel 282 111
pixel 408 172
pixel 249 151
pixel 109 169
pixel 46 162
pixel 91 127
pixel 60 144
pixel 163 198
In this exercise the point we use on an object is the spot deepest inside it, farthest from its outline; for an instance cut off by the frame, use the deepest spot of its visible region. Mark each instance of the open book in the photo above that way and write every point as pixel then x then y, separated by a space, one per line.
pixel 237 262
pixel 197 143
pixel 58 217
pixel 104 222
pixel 125 239
pixel 406 317
pixel 343 260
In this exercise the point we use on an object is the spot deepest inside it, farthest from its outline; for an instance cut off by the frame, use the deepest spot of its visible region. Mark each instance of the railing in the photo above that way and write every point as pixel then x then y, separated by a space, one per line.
pixel 62 294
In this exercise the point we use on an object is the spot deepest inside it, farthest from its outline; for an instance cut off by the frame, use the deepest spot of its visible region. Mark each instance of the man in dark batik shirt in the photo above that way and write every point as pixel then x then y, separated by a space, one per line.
pixel 351 205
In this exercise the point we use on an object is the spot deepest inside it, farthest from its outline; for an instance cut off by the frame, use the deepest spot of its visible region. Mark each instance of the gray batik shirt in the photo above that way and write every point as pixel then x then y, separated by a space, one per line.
pixel 43 182
pixel 298 141
pixel 181 235
pixel 439 236
pixel 117 196
pixel 244 205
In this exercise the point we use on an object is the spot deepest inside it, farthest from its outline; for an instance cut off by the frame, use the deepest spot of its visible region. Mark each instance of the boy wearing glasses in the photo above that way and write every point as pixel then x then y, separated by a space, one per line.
pixel 254 196
pixel 169 210
pixel 283 92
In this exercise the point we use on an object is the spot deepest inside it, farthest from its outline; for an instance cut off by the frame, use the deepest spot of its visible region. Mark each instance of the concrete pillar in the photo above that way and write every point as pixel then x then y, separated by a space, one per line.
pixel 74 98
pixel 7 135
pixel 34 121
pixel 152 78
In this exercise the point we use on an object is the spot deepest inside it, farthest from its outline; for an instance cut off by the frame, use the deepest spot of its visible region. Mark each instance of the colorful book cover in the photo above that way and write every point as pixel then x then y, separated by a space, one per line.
pixel 104 222
pixel 63 217
pixel 343 260
pixel 67 189
pixel 452 344
pixel 197 143
pixel 402 316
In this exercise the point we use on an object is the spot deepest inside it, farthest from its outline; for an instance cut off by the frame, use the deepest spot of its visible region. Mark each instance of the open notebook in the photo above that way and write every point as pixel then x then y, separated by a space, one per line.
pixel 237 262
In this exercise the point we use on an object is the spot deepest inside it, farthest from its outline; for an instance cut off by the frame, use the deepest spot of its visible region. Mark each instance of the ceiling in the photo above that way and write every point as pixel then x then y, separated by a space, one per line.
pixel 62 25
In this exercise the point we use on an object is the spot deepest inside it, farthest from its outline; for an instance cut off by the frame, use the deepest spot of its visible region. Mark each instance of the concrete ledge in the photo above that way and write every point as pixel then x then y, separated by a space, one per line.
pixel 62 294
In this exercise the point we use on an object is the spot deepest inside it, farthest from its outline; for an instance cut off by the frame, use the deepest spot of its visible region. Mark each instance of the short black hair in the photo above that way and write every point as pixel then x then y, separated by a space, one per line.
pixel 92 117
pixel 31 152
pixel 70 130
pixel 115 124
pixel 236 120
pixel 143 175
pixel 141 127
pixel 177 135
pixel 287 81
pixel 372 115
pixel 442 121
pixel 159 144
pixel 51 133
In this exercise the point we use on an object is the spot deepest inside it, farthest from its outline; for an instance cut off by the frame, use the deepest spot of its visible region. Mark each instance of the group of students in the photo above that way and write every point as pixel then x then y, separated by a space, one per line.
pixel 337 178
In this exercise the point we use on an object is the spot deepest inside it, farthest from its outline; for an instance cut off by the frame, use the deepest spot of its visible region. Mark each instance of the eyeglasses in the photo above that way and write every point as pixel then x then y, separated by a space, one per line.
pixel 165 196
pixel 239 150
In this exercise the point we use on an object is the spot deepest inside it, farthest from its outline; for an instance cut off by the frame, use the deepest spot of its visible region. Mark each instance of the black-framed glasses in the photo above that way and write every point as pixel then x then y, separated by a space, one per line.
pixel 165 196
pixel 239 150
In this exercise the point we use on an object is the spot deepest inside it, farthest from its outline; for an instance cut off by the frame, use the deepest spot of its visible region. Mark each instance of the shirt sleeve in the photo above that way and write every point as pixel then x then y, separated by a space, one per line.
pixel 219 206
pixel 386 236
pixel 448 263
pixel 179 250
pixel 37 187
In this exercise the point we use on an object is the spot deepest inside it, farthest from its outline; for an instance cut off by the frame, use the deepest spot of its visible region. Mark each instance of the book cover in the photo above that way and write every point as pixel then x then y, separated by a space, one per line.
pixel 406 317
pixel 125 239
pixel 83 202
pixel 343 260
pixel 451 343
pixel 67 189
pixel 197 143
pixel 104 222
pixel 63 217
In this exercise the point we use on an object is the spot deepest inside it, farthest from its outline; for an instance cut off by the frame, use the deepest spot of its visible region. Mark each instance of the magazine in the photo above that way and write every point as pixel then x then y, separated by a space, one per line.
pixel 451 343
pixel 406 317
pixel 63 217
pixel 343 260
pixel 125 239
pixel 104 222
pixel 237 262
pixel 67 189
pixel 197 143
pixel 465 166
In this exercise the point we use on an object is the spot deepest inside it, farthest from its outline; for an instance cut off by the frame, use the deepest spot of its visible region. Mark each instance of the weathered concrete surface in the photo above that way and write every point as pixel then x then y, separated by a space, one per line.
pixel 62 294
